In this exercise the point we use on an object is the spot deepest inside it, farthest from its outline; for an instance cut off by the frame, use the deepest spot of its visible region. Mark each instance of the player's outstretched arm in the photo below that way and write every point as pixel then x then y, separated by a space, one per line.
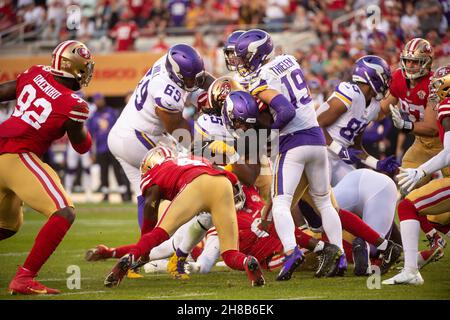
pixel 7 91
pixel 152 196
pixel 78 135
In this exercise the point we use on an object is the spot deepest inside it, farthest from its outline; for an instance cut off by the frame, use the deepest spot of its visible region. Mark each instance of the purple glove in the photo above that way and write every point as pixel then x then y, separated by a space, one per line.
pixel 350 155
pixel 388 165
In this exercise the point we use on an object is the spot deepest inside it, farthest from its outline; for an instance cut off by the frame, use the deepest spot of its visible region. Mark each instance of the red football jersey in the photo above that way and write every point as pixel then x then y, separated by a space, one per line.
pixel 43 106
pixel 413 101
pixel 255 241
pixel 443 112
pixel 172 175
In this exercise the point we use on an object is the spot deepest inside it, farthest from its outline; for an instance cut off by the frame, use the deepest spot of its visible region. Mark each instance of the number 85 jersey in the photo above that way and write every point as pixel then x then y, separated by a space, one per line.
pixel 155 90
pixel 356 118
pixel 43 106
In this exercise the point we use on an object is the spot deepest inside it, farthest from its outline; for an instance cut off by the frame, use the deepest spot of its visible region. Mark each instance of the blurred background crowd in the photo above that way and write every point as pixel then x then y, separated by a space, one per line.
pixel 334 34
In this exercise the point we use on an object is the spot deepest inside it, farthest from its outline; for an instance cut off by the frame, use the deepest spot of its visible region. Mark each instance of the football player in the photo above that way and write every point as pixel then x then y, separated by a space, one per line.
pixel 416 114
pixel 347 112
pixel 47 108
pixel 432 198
pixel 154 108
pixel 184 182
pixel 279 82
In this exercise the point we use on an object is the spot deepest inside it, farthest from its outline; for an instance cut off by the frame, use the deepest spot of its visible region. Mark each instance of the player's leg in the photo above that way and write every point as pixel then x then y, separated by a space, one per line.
pixel 223 212
pixel 379 196
pixel 288 171
pixel 316 171
pixel 190 236
pixel 39 186
pixel 129 148
pixel 430 199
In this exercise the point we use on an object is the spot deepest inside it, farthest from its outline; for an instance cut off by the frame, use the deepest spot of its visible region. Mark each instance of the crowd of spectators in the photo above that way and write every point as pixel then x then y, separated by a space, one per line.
pixel 344 30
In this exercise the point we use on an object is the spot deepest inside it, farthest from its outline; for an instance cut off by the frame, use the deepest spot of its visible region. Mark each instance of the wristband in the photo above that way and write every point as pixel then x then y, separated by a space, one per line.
pixel 371 162
pixel 335 147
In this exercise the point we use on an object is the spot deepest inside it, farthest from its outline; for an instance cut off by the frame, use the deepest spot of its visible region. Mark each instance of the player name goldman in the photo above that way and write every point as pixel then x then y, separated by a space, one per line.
pixel 46 87
pixel 194 310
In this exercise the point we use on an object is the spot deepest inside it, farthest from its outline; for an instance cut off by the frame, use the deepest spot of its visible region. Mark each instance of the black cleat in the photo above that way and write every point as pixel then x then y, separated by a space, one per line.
pixel 390 256
pixel 328 259
pixel 360 254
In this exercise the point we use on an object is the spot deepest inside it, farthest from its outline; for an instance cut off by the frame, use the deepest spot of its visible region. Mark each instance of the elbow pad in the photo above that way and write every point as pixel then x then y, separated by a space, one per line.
pixel 284 110
pixel 83 146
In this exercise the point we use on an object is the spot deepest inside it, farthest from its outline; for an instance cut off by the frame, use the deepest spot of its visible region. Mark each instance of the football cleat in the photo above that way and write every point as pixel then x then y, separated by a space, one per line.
pixel 360 254
pixel 390 256
pixel 340 267
pixel 24 283
pixel 176 267
pixel 119 271
pixel 254 272
pixel 100 252
pixel 290 263
pixel 437 241
pixel 436 251
pixel 328 258
pixel 405 277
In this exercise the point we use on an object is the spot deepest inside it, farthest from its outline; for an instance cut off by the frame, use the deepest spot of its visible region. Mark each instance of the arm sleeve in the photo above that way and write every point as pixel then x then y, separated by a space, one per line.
pixel 284 111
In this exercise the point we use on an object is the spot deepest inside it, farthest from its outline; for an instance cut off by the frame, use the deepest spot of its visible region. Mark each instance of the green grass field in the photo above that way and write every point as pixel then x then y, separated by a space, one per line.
pixel 115 225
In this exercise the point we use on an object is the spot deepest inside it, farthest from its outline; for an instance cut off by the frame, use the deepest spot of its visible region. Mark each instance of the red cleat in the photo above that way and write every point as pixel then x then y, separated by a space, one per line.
pixel 100 252
pixel 24 283
pixel 254 272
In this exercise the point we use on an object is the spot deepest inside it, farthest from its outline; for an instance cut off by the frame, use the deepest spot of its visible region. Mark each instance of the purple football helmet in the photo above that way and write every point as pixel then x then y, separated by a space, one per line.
pixel 253 48
pixel 375 72
pixel 228 50
pixel 185 67
pixel 240 110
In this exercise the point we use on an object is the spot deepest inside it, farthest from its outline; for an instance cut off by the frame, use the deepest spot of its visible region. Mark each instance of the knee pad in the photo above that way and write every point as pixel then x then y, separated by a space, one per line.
pixel 204 219
pixel 407 210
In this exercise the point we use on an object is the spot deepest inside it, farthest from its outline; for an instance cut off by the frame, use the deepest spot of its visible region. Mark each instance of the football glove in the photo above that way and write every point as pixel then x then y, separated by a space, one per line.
pixel 398 121
pixel 408 178
pixel 389 165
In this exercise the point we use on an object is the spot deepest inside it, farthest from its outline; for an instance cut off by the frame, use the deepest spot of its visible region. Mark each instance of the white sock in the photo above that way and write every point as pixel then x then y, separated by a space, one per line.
pixel 194 233
pixel 319 246
pixel 383 245
pixel 284 223
pixel 164 250
pixel 409 230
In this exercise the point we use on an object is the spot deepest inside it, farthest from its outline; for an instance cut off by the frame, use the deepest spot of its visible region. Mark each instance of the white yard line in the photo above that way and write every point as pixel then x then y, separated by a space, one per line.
pixel 180 296
pixel 69 294
pixel 302 298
